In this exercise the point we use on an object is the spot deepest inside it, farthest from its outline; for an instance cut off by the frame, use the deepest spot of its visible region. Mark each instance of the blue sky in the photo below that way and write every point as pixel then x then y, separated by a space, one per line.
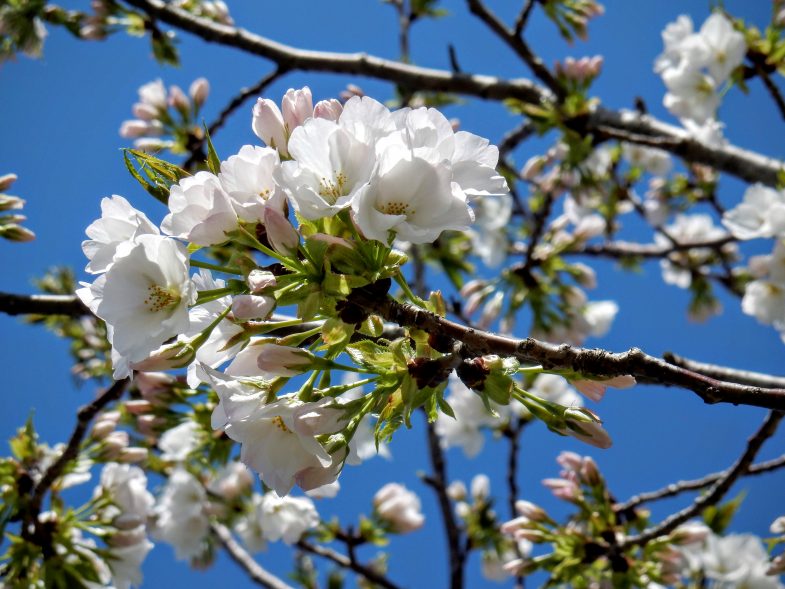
pixel 60 117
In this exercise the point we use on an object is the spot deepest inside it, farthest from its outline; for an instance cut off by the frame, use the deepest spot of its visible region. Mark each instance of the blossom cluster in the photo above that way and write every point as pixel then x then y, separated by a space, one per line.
pixel 695 65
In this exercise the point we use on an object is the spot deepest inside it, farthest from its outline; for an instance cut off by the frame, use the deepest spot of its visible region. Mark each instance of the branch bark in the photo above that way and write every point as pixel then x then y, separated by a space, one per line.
pixel 604 123
pixel 238 554
pixel 347 563
pixel 644 367
pixel 718 490
pixel 42 304
pixel 696 484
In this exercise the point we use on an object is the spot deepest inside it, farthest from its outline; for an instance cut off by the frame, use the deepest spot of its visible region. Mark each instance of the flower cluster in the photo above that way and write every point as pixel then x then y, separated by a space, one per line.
pixel 161 114
pixel 694 65
pixel 10 225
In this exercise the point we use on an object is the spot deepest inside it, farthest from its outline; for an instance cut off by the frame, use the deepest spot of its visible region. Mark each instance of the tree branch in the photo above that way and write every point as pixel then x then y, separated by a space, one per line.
pixel 229 109
pixel 597 362
pixel 518 45
pixel 717 491
pixel 745 377
pixel 83 418
pixel 636 128
pixel 696 484
pixel 42 304
pixel 238 554
pixel 438 482
pixel 347 563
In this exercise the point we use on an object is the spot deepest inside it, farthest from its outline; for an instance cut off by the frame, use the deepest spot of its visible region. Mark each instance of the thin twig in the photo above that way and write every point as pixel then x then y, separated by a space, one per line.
pixel 438 482
pixel 343 561
pixel 717 491
pixel 774 91
pixel 83 418
pixel 523 17
pixel 238 554
pixel 680 487
pixel 236 102
pixel 518 45
pixel 637 128
pixel 745 377
pixel 513 433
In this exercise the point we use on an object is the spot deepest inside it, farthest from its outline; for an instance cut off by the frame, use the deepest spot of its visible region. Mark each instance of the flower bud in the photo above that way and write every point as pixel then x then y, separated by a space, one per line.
pixel 481 488
pixel 456 491
pixel 149 425
pixel 199 90
pixel 569 460
pixel 283 237
pixel 328 109
pixel 690 533
pixel 399 507
pixel 138 406
pixel 145 112
pixel 296 108
pixel 268 125
pixel 778 525
pixel 246 307
pixel 133 455
pixel 127 521
pixel 584 425
pixel 138 128
pixel 115 443
pixel 530 510
pixel 284 360
pixel 167 357
pixel 260 280
pixel 153 386
pixel 14 232
pixel 178 99
pixel 102 428
pixel 6 180
pixel 589 472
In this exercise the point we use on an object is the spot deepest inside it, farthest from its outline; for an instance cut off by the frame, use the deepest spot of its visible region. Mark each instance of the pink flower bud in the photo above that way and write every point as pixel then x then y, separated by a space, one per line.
pixel 144 111
pixel 178 99
pixel 138 407
pixel 530 510
pixel 260 280
pixel 102 428
pixel 6 180
pixel 246 307
pixel 690 533
pixel 514 525
pixel 589 472
pixel 283 237
pixel 328 109
pixel 570 460
pixel 199 90
pixel 283 360
pixel 268 125
pixel 149 425
pixel 563 489
pixel 584 425
pixel 115 443
pixel 138 128
pixel 297 107
pixel 153 385
pixel 133 455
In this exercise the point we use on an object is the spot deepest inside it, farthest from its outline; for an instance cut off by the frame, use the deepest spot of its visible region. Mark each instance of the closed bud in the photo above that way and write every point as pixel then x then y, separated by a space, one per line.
pixel 114 443
pixel 14 232
pixel 178 99
pixel 481 488
pixel 268 125
pixel 296 108
pixel 167 357
pixel 589 472
pixel 260 280
pixel 690 533
pixel 127 521
pixel 246 307
pixel 138 406
pixel 456 491
pixel 328 109
pixel 283 237
pixel 102 428
pixel 199 90
pixel 530 510
pixel 133 455
pixel 285 360
pixel 6 180
pixel 144 111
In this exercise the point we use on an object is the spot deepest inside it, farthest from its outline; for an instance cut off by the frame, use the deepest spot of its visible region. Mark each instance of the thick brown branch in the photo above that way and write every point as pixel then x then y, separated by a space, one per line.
pixel 238 554
pixel 347 563
pixel 42 304
pixel 636 128
pixel 717 491
pixel 680 487
pixel 597 362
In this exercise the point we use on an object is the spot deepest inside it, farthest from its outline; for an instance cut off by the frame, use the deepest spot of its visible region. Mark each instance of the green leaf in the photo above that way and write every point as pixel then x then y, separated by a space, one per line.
pixel 719 517
pixel 213 161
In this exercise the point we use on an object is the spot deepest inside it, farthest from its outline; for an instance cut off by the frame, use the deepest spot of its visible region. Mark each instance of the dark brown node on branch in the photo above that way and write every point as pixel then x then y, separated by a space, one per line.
pixel 473 372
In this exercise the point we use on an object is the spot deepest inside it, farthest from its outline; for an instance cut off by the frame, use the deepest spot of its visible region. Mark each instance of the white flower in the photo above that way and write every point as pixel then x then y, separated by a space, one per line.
pixel 470 416
pixel 177 443
pixel 278 440
pixel 411 198
pixel 399 507
pixel 764 298
pixel 181 515
pixel 231 481
pixel 489 235
pixel 296 107
pixel 154 94
pixel 654 161
pixel 673 36
pixel 726 46
pixel 213 352
pixel 330 165
pixel 493 563
pixel 144 295
pixel 286 518
pixel 760 214
pixel 736 560
pixel 119 222
pixel 556 389
pixel 127 486
pixel 248 180
pixel 691 94
pixel 200 210
pixel 267 123
pixel 688 229
pixel 126 563
pixel 245 307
